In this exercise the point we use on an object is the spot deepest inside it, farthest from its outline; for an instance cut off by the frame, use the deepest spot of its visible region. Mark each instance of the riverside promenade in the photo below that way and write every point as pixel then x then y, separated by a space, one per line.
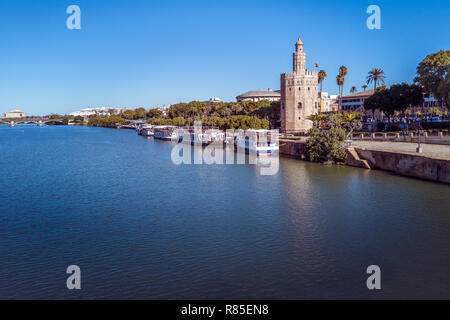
pixel 434 151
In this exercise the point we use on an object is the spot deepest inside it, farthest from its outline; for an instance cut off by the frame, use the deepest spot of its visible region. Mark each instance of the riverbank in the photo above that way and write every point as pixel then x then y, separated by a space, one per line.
pixel 397 157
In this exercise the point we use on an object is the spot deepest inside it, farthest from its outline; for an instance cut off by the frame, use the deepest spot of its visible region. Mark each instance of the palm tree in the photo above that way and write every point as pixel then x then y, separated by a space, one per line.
pixel 343 73
pixel 364 87
pixel 322 76
pixel 376 75
pixel 317 119
pixel 353 89
pixel 351 121
pixel 340 83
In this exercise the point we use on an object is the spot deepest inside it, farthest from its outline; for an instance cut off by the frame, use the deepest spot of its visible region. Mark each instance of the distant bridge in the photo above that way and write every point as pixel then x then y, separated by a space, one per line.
pixel 37 121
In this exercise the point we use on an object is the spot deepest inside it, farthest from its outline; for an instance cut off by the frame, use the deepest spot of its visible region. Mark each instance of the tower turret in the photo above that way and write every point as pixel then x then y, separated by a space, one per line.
pixel 299 57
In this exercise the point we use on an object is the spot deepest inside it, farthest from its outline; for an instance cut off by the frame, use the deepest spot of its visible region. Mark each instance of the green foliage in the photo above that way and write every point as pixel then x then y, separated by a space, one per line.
pixel 225 115
pixel 398 97
pixel 433 74
pixel 128 114
pixel 326 145
pixel 78 119
pixel 140 113
pixel 106 122
pixel 154 113
pixel 233 122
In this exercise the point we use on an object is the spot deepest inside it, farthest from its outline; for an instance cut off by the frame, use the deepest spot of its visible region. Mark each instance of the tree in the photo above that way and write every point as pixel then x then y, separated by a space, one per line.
pixel 376 75
pixel 364 87
pixel 404 96
pixel 398 97
pixel 350 121
pixel 443 90
pixel 340 83
pixel 380 100
pixel 154 113
pixel 128 114
pixel 353 89
pixel 140 113
pixel 326 145
pixel 432 72
pixel 322 76
pixel 317 119
pixel 343 73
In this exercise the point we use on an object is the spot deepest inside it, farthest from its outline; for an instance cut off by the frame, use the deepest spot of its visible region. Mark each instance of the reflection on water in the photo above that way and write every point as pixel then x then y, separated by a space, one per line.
pixel 141 227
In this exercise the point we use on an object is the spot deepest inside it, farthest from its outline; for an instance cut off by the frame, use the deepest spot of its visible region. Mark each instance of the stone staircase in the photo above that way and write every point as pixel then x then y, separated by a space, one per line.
pixel 354 160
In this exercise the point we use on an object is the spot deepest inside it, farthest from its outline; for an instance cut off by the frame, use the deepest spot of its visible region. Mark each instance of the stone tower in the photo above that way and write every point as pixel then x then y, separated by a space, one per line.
pixel 299 94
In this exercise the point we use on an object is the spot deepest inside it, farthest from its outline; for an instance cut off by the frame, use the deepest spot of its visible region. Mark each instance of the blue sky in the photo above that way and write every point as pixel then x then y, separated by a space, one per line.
pixel 147 53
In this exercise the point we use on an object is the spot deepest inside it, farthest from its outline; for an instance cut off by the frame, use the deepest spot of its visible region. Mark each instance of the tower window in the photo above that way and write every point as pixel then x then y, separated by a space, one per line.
pixel 299 89
pixel 300 105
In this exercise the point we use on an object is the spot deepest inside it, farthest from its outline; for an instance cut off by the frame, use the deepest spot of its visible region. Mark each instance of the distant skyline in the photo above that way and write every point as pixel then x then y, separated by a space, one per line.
pixel 146 53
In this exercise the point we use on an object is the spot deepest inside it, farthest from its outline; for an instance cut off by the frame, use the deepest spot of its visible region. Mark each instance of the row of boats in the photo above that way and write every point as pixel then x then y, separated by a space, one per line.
pixel 260 142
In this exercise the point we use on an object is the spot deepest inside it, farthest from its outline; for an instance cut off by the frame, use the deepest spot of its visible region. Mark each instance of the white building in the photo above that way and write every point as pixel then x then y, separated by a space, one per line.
pixel 259 95
pixel 214 100
pixel 329 103
pixel 104 111
pixel 14 114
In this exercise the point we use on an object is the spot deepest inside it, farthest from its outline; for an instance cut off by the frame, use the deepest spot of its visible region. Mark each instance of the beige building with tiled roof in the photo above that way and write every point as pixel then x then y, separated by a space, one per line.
pixel 355 101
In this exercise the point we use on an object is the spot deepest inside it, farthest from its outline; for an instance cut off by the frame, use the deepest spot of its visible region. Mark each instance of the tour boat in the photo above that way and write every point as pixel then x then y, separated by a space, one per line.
pixel 203 138
pixel 257 141
pixel 142 126
pixel 147 132
pixel 165 133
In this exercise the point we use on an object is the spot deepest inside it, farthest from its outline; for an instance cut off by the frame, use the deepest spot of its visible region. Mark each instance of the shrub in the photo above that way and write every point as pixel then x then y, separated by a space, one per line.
pixel 326 145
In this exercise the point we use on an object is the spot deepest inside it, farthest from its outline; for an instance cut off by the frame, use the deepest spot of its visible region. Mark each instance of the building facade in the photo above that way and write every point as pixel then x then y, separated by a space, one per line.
pixel 14 114
pixel 259 95
pixel 355 101
pixel 328 103
pixel 103 112
pixel 299 94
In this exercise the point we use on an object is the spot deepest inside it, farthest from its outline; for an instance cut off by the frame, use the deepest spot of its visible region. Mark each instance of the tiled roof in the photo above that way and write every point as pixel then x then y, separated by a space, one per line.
pixel 366 93
pixel 260 93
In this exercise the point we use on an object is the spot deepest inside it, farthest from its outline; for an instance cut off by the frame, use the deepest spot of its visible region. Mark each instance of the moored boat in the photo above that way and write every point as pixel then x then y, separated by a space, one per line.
pixel 259 142
pixel 165 133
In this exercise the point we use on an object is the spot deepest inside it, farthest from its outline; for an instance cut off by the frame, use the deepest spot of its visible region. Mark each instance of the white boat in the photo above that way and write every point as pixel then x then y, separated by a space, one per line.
pixel 147 132
pixel 143 126
pixel 259 142
pixel 165 133
pixel 204 138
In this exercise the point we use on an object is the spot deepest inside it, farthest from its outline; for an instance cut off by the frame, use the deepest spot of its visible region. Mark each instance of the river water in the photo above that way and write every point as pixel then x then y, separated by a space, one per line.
pixel 139 226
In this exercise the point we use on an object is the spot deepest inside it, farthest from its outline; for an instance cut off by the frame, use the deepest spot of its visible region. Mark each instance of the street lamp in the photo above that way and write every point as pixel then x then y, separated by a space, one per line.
pixel 419 146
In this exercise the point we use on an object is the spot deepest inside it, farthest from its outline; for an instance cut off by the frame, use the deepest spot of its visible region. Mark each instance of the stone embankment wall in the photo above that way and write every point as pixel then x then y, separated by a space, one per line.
pixel 292 148
pixel 400 163
pixel 407 164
